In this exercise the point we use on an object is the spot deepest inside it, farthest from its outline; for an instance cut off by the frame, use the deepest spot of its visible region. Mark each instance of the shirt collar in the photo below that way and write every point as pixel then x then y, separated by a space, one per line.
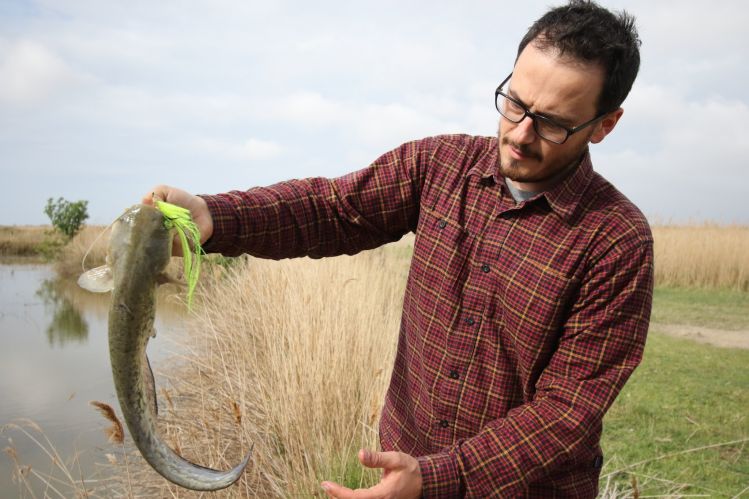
pixel 563 198
pixel 486 165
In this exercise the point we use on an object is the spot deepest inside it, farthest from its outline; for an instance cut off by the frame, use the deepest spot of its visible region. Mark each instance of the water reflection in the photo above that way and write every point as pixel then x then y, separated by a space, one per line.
pixel 66 324
pixel 52 364
pixel 66 305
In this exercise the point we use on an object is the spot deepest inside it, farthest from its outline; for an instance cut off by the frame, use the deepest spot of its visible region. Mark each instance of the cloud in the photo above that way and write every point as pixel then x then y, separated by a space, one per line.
pixel 308 108
pixel 111 91
pixel 252 149
pixel 30 73
pixel 683 156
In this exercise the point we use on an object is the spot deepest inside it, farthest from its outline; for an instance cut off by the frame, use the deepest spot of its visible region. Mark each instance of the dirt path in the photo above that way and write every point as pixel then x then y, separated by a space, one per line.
pixel 718 337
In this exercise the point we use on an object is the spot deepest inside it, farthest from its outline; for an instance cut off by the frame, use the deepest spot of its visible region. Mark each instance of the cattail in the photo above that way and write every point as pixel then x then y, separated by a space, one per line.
pixel 115 433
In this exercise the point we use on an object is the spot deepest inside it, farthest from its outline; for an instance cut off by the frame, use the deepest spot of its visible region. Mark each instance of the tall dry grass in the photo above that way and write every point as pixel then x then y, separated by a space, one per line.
pixel 91 241
pixel 22 240
pixel 702 256
pixel 44 241
pixel 290 359
pixel 61 476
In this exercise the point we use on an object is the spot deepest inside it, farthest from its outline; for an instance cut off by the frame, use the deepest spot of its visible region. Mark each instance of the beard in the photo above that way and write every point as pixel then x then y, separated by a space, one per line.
pixel 521 172
pixel 512 169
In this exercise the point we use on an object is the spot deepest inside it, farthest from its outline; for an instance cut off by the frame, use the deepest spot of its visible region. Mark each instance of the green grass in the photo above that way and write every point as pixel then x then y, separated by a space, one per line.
pixel 683 396
pixel 720 309
pixel 349 472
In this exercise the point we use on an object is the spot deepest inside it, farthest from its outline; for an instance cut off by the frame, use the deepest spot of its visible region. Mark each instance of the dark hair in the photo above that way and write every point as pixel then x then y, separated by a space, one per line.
pixel 589 33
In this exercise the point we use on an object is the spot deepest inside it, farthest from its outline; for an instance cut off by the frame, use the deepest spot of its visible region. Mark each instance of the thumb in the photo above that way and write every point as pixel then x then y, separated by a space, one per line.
pixel 158 193
pixel 378 459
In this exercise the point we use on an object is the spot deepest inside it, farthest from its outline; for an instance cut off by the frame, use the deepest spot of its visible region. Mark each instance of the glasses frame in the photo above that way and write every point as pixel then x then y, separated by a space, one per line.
pixel 539 117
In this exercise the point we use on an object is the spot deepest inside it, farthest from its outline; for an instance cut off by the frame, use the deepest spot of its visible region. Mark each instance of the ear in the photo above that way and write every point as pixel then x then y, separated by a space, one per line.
pixel 606 126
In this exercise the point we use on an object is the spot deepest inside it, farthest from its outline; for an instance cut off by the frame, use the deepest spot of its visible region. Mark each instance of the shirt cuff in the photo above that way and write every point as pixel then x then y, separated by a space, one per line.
pixel 440 476
pixel 225 225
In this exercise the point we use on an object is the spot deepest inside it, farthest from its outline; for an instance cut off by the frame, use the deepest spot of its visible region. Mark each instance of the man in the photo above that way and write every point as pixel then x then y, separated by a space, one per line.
pixel 528 299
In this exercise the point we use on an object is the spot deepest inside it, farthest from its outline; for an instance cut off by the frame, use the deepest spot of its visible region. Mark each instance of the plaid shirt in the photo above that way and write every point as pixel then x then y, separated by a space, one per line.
pixel 521 321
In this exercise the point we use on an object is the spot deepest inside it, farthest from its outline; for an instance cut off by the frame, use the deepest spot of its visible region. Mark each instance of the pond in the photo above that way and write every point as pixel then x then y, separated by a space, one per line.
pixel 54 360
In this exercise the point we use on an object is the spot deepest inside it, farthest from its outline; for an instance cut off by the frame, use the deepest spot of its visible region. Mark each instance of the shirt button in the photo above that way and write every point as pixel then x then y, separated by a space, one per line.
pixel 470 321
pixel 454 374
pixel 485 268
pixel 444 423
pixel 442 224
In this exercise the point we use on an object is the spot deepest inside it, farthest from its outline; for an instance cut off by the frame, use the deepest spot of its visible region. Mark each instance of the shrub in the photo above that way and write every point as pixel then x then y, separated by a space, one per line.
pixel 66 216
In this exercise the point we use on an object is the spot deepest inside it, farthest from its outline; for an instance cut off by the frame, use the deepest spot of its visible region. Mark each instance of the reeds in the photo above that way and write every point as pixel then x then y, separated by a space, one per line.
pixel 59 477
pixel 290 359
pixel 115 432
pixel 702 256
pixel 24 241
pixel 696 256
pixel 90 242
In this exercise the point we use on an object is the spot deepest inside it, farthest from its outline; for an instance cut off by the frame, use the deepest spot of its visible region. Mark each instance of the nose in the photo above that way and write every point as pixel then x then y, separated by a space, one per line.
pixel 524 133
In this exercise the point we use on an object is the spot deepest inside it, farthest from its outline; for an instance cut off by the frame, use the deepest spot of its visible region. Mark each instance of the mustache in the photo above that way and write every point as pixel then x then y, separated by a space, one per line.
pixel 523 148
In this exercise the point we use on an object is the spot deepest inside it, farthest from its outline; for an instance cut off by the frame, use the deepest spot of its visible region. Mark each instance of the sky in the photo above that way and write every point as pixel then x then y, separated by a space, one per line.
pixel 101 100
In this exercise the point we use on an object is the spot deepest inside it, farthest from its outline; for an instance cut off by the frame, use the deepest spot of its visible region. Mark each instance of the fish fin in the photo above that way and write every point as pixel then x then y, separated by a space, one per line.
pixel 150 387
pixel 97 280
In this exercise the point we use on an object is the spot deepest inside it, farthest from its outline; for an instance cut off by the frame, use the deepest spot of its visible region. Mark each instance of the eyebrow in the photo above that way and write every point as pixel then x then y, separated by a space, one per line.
pixel 554 117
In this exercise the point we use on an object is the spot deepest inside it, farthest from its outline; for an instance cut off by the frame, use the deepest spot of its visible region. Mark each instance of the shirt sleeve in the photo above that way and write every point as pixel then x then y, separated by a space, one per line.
pixel 320 217
pixel 600 345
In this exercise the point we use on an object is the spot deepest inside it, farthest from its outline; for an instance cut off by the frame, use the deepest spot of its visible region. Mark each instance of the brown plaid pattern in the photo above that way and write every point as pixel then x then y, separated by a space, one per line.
pixel 521 322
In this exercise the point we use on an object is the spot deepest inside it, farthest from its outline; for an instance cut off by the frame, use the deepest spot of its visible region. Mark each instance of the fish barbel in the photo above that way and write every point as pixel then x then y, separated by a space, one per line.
pixel 139 250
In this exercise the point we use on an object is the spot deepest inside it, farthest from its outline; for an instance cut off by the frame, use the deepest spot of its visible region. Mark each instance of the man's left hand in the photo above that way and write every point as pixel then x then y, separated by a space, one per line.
pixel 401 477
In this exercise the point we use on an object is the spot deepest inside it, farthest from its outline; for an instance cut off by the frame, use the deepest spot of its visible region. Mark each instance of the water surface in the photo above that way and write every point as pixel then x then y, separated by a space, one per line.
pixel 54 359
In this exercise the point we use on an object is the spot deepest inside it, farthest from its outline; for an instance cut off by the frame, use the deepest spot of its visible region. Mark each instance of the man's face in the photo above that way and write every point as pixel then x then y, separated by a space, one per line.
pixel 562 90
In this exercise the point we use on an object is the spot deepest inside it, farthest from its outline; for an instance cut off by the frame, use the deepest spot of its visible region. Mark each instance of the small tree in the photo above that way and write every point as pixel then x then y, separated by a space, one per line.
pixel 66 216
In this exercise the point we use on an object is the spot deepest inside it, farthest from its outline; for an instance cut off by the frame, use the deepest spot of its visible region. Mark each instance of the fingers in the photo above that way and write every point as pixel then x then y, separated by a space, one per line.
pixel 386 460
pixel 341 492
pixel 197 206
pixel 335 490
pixel 401 477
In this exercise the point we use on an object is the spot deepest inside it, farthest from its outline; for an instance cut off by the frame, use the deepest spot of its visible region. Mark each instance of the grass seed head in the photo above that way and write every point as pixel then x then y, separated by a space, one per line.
pixel 115 433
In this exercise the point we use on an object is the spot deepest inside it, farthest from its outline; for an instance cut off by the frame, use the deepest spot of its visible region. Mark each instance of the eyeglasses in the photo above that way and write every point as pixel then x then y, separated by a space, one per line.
pixel 546 128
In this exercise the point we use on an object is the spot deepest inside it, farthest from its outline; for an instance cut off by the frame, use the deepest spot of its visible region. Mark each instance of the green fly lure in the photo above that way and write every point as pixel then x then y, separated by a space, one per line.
pixel 179 219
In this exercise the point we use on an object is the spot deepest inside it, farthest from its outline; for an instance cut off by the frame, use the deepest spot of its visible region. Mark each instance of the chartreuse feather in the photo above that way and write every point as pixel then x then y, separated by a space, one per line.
pixel 179 219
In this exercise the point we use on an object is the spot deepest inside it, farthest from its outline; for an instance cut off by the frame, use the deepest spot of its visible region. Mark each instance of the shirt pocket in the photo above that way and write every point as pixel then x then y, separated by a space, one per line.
pixel 437 275
pixel 444 245
pixel 535 305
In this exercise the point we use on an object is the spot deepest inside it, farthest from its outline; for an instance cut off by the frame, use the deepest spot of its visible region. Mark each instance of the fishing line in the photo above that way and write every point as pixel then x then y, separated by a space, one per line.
pixel 83 260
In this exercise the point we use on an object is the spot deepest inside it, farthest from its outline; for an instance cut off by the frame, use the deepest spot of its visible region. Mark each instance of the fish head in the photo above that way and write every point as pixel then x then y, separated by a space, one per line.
pixel 140 234
pixel 139 240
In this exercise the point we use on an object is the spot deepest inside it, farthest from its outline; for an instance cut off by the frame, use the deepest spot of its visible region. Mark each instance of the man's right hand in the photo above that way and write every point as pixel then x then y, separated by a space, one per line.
pixel 197 206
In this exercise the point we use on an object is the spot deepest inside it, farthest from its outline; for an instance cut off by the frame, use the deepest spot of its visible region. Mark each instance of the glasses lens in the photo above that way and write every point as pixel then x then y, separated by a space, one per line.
pixel 549 130
pixel 509 108
pixel 515 112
